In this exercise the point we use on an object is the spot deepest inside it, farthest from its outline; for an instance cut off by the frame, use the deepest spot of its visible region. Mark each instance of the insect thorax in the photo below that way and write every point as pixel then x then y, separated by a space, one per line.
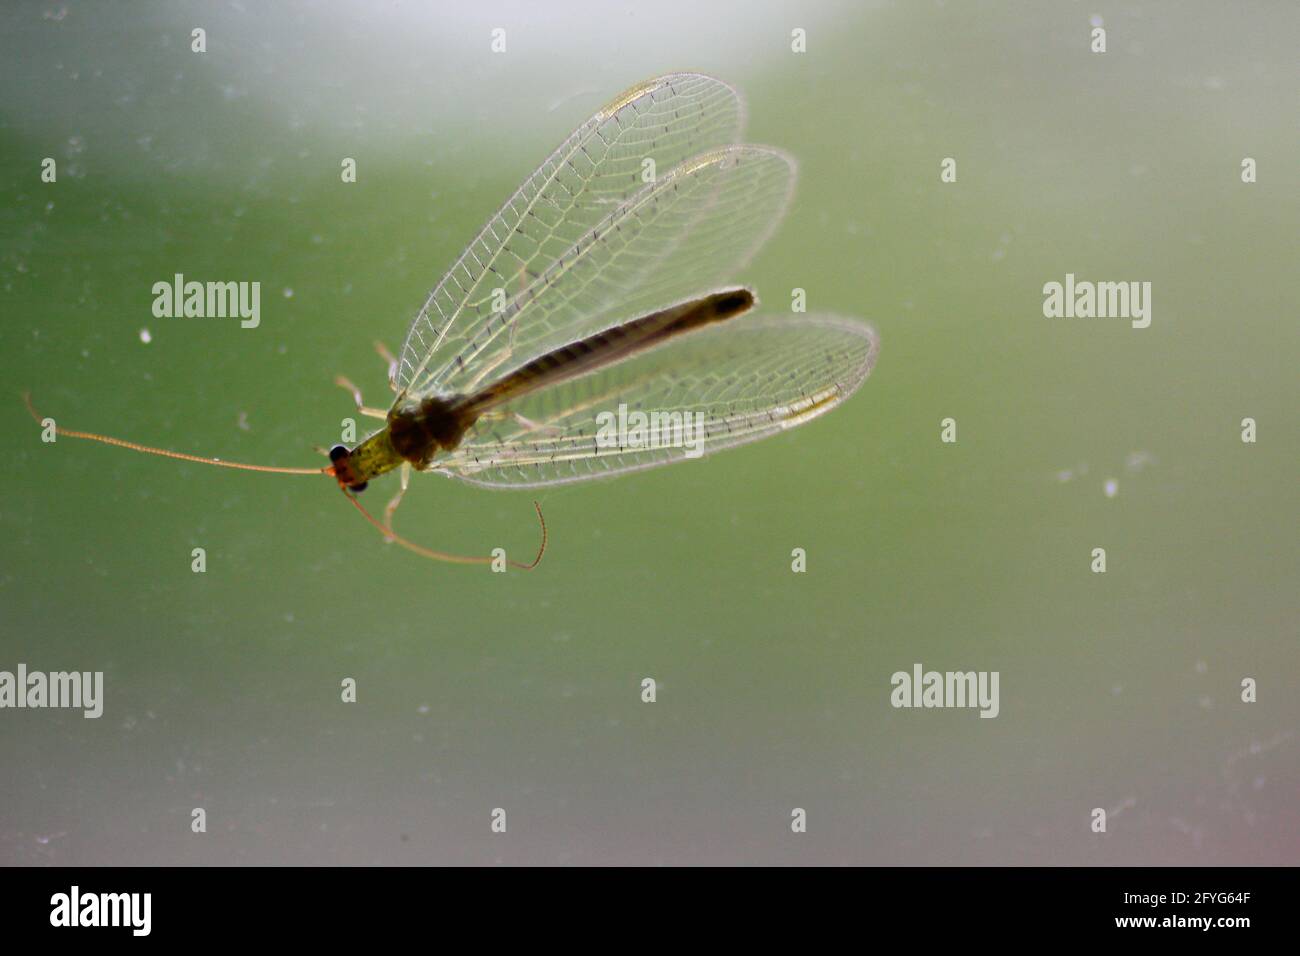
pixel 420 427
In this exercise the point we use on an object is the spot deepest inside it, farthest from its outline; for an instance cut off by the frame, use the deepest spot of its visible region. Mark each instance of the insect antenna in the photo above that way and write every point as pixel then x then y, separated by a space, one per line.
pixel 60 431
pixel 393 536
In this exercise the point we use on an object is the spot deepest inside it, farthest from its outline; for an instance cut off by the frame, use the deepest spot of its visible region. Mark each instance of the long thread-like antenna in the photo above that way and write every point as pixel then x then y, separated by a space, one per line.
pixel 60 431
pixel 387 532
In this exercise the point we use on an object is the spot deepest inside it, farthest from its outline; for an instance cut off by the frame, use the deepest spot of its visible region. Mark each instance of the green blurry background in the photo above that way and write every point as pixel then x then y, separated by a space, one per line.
pixel 522 691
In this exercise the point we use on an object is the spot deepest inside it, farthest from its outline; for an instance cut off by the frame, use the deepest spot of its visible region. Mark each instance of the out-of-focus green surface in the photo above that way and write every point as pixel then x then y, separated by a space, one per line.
pixel 479 690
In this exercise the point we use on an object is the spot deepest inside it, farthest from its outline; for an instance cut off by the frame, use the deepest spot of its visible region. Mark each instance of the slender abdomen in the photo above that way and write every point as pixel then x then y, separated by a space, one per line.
pixel 608 347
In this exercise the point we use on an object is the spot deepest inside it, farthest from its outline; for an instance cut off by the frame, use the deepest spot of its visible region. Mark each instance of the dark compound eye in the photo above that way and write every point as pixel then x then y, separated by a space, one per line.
pixel 337 452
pixel 357 489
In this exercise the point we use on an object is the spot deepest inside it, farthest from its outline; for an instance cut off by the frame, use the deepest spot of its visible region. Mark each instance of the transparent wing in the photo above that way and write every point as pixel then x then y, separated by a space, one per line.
pixel 709 390
pixel 675 238
pixel 668 119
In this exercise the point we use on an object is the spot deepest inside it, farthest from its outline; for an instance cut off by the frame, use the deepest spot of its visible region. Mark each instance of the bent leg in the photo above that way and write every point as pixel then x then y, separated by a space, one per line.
pixel 347 385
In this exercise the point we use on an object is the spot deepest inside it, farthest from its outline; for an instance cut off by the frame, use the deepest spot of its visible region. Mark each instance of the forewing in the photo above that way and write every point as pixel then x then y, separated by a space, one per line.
pixel 680 235
pixel 670 119
pixel 711 390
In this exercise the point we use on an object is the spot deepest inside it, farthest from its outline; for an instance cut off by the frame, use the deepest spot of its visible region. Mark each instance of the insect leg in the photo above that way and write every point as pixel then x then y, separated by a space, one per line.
pixel 386 354
pixel 405 477
pixel 529 425
pixel 347 385
pixel 526 425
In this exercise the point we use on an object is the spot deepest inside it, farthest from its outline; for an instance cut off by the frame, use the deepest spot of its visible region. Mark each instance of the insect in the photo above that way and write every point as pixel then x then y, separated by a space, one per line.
pixel 585 331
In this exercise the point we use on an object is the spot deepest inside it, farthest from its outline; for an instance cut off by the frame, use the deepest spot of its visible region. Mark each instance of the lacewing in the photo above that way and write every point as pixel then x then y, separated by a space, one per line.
pixel 586 331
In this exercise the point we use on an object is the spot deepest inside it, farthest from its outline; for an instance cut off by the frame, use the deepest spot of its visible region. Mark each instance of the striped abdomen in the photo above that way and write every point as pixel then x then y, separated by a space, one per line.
pixel 610 346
